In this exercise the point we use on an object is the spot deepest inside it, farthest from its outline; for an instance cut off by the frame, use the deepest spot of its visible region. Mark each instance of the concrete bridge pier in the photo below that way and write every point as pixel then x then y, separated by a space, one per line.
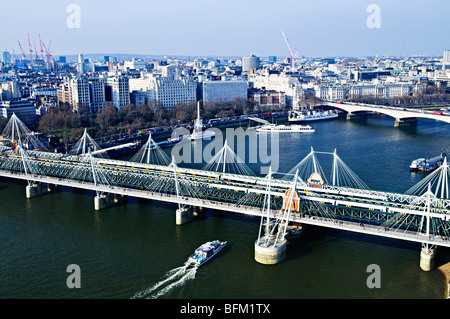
pixel 410 121
pixel 351 115
pixel 184 215
pixel 427 259
pixel 271 253
pixel 33 190
pixel 103 201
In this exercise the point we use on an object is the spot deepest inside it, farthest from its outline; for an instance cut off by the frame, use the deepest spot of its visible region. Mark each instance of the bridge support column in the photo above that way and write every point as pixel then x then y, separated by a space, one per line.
pixel 33 190
pixel 270 253
pixel 427 259
pixel 184 215
pixel 405 122
pixel 355 115
pixel 102 201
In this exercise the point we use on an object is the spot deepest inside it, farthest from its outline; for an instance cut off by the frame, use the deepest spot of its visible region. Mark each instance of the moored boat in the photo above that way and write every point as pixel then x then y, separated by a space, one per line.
pixel 308 116
pixel 272 128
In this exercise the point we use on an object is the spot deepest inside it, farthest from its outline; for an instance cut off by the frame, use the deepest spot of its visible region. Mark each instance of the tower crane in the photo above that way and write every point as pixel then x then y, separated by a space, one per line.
pixel 47 51
pixel 289 48
pixel 23 53
pixel 42 50
pixel 31 50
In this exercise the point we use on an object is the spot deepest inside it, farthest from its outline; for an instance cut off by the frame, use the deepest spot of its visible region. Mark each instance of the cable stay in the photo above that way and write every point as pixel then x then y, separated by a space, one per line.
pixel 437 181
pixel 151 153
pixel 86 144
pixel 341 175
pixel 227 161
pixel 16 132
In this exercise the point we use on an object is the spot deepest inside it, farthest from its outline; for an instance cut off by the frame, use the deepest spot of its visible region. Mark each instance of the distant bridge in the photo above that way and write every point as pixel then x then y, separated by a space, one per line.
pixel 403 116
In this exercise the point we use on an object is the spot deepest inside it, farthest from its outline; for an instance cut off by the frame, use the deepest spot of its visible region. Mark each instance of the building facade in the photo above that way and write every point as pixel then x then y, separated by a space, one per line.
pixel 211 91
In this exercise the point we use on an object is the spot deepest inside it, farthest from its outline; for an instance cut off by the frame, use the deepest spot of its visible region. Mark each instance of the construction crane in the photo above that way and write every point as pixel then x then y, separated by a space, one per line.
pixel 31 50
pixel 36 57
pixel 289 48
pixel 42 50
pixel 23 53
pixel 47 51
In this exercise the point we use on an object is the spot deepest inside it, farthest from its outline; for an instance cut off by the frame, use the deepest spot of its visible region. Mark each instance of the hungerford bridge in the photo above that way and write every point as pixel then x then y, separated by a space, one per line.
pixel 302 196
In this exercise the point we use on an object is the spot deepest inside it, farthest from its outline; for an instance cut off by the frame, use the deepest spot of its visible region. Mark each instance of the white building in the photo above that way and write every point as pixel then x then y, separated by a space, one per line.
pixel 223 90
pixel 281 83
pixel 79 94
pixel 120 90
pixel 168 90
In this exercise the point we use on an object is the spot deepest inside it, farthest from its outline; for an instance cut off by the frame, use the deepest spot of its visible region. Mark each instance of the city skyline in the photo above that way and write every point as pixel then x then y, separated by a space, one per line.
pixel 232 28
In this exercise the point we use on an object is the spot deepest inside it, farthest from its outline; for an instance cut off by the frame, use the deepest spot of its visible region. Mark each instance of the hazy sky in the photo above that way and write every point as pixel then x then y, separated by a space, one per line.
pixel 229 27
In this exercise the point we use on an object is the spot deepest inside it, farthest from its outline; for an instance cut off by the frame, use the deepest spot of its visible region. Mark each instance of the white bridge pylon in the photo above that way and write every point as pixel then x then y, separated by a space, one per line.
pixel 341 174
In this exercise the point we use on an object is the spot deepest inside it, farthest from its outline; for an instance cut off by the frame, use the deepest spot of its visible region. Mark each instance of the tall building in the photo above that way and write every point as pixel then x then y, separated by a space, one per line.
pixel 250 62
pixel 96 94
pixel 79 94
pixel 446 59
pixel 120 90
pixel 5 57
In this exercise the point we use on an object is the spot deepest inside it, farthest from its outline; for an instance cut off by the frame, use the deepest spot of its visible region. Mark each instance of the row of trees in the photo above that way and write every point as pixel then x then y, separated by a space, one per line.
pixel 63 122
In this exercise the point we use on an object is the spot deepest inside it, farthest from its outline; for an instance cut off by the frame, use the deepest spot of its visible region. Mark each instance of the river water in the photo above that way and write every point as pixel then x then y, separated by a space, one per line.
pixel 126 250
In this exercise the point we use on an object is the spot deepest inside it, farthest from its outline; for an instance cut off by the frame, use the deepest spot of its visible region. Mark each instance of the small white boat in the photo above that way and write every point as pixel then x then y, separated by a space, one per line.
pixel 205 252
pixel 416 164
pixel 272 128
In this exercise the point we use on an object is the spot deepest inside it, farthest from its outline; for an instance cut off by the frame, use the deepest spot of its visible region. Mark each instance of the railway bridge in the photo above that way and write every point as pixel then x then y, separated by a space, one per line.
pixel 301 196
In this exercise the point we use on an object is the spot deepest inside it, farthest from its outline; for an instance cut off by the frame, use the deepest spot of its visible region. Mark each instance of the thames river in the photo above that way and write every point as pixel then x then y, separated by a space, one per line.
pixel 130 250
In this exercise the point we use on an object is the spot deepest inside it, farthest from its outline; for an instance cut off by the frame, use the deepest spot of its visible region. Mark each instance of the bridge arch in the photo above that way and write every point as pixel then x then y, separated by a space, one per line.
pixel 401 116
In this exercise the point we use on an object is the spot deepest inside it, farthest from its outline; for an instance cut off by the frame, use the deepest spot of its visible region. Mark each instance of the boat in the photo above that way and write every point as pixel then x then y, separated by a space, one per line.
pixel 432 163
pixel 416 163
pixel 272 128
pixel 205 252
pixel 198 133
pixel 308 116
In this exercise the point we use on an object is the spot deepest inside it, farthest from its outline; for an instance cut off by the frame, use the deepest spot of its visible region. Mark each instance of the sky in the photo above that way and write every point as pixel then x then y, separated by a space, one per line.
pixel 319 28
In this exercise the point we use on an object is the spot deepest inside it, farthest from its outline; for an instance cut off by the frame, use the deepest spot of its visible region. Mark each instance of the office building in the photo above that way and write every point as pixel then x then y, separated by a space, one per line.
pixel 249 63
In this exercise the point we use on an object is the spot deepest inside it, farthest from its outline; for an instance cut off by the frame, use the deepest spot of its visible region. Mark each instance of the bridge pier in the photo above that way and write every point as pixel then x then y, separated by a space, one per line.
pixel 103 201
pixel 271 253
pixel 410 121
pixel 33 190
pixel 355 115
pixel 184 215
pixel 427 259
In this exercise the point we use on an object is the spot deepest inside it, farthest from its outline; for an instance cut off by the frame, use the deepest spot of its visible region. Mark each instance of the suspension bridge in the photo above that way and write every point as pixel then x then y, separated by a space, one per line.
pixel 302 196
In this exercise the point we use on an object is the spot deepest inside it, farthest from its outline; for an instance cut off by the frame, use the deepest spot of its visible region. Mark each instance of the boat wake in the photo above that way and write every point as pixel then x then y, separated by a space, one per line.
pixel 172 279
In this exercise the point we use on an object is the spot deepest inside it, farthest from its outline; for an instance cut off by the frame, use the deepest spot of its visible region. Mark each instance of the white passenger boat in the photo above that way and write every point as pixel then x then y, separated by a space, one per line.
pixel 308 116
pixel 205 252
pixel 272 128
